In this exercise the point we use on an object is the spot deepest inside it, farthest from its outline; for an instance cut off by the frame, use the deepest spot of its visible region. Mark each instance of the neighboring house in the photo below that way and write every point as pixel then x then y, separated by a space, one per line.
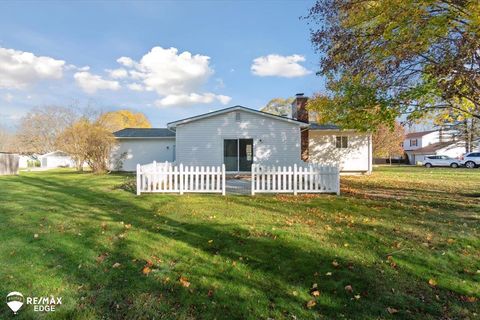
pixel 56 159
pixel 418 145
pixel 26 159
pixel 239 136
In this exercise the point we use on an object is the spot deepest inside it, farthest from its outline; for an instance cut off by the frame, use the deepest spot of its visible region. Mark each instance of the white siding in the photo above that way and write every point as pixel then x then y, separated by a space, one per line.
pixel 357 157
pixel 275 142
pixel 56 160
pixel 142 151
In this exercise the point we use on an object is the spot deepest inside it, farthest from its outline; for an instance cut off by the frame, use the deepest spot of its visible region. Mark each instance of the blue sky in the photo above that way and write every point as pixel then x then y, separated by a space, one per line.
pixel 178 58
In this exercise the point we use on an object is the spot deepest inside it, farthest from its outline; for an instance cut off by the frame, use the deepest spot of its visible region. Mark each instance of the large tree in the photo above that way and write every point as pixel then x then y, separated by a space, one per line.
pixel 39 129
pixel 120 119
pixel 387 141
pixel 88 142
pixel 386 58
pixel 279 106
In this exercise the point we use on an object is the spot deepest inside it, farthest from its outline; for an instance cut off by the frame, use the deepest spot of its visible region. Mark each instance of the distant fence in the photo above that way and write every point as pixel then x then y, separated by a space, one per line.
pixel 9 163
pixel 169 178
pixel 311 178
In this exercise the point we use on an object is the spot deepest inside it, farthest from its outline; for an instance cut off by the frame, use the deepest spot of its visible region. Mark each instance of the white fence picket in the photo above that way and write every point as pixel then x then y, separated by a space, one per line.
pixel 312 178
pixel 169 178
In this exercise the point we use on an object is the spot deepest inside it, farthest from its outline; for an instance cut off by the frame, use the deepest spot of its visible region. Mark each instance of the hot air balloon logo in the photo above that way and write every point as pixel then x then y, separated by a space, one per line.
pixel 15 301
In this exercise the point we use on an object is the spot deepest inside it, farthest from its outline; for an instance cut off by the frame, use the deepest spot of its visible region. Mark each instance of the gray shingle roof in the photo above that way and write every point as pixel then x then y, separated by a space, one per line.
pixel 318 126
pixel 413 135
pixel 144 133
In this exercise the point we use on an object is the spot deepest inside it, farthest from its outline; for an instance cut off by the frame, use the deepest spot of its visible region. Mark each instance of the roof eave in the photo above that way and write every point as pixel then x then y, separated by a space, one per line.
pixel 174 124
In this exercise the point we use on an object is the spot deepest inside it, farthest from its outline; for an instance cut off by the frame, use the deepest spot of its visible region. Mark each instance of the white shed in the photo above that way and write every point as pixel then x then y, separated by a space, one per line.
pixel 56 159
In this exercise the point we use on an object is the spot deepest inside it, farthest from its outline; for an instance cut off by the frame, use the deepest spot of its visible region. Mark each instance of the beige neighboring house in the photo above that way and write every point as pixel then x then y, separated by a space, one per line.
pixel 239 137
pixel 418 145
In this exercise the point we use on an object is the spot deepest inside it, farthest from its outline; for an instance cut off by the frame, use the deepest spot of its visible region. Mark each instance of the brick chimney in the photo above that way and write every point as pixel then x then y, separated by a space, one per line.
pixel 300 113
pixel 299 110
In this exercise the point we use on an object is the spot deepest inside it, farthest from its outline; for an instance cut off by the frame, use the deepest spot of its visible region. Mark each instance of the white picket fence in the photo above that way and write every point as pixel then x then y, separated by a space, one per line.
pixel 312 178
pixel 169 178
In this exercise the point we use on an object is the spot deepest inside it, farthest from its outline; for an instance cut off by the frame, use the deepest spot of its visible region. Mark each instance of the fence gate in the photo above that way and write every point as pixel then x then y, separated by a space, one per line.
pixel 311 178
pixel 168 178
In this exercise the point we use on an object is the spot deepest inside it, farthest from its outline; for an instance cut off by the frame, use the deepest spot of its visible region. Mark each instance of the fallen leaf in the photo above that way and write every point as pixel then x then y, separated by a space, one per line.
pixel 311 304
pixel 315 293
pixel 101 257
pixel 357 296
pixel 149 263
pixel 210 241
pixel 392 310
pixel 328 274
pixel 349 288
pixel 335 263
pixel 35 235
pixel 184 282
pixel 128 226
pixel 146 270
pixel 116 265
pixel 210 293
pixel 432 282
pixel 469 299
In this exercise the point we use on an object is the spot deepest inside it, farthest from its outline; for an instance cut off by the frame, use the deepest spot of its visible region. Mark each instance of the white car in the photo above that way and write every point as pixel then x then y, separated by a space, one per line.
pixel 441 161
pixel 471 160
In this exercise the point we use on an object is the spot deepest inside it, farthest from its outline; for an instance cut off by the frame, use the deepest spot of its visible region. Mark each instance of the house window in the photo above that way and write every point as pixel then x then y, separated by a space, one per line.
pixel 413 142
pixel 237 117
pixel 342 142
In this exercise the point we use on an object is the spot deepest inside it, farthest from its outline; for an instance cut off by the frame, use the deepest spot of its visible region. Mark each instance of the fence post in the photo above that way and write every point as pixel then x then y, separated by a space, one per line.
pixel 223 179
pixel 180 176
pixel 295 179
pixel 337 170
pixel 138 179
pixel 253 180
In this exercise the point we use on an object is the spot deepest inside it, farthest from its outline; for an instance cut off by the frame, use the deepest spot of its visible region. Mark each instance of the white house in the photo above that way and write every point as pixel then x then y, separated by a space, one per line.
pixel 56 159
pixel 239 136
pixel 418 145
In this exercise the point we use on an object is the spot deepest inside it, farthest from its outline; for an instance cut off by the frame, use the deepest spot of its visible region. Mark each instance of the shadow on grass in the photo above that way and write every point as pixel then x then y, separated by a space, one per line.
pixel 234 273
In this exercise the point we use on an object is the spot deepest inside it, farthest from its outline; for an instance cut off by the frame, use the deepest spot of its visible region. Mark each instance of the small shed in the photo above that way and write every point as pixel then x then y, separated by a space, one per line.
pixel 8 163
pixel 56 159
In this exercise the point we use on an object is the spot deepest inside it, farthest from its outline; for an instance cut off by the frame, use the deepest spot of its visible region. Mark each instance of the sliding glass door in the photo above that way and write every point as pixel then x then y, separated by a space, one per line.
pixel 238 154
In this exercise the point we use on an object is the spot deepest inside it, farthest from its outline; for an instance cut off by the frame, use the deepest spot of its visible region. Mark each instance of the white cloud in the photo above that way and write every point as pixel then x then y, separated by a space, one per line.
pixel 18 69
pixel 136 87
pixel 8 97
pixel 90 83
pixel 176 77
pixel 126 61
pixel 279 66
pixel 117 73
pixel 190 99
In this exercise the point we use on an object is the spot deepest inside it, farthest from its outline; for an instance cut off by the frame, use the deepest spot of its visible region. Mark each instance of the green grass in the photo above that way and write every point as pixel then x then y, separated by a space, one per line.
pixel 244 257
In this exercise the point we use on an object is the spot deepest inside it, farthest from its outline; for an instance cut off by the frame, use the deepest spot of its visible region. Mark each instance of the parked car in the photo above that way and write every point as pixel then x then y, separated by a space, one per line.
pixel 441 161
pixel 471 160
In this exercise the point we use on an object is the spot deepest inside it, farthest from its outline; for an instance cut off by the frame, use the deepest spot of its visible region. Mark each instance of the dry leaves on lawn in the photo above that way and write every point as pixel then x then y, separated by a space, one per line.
pixel 116 265
pixel 392 310
pixel 184 281
pixel 314 290
pixel 311 304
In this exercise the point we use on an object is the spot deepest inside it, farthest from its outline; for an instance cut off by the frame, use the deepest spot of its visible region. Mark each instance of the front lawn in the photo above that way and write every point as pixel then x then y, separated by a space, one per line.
pixel 400 244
